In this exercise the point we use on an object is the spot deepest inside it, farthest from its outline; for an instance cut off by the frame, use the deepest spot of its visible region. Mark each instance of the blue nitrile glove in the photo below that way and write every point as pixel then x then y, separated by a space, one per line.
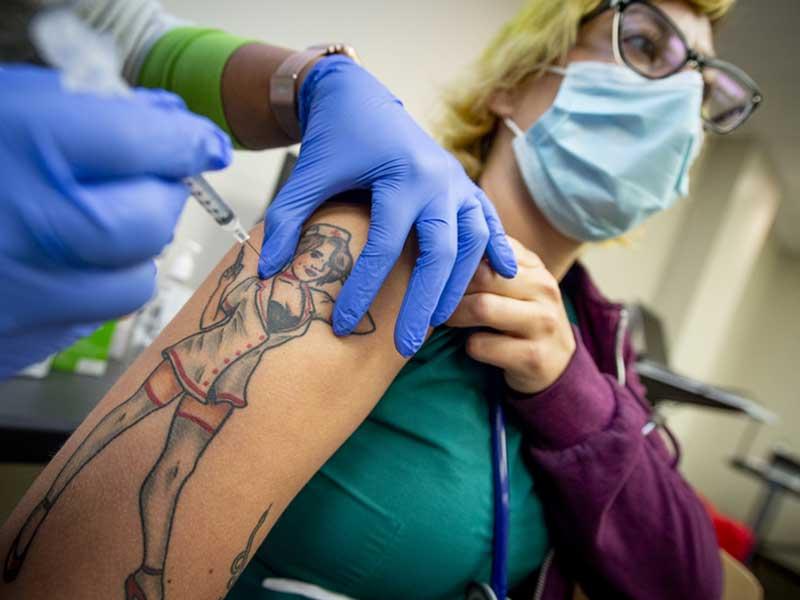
pixel 90 194
pixel 356 134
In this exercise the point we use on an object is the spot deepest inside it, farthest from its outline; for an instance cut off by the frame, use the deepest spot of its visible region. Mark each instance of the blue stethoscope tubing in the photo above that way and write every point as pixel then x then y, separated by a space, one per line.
pixel 502 509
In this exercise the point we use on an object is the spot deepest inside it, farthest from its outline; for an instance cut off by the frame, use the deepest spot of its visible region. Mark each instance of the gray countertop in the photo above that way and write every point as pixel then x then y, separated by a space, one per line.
pixel 59 402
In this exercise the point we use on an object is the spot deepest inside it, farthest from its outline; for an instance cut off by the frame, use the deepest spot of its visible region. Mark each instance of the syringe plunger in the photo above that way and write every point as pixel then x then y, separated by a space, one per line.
pixel 89 63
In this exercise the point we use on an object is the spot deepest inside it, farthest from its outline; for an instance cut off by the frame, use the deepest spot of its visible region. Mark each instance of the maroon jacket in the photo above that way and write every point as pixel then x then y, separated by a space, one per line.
pixel 622 520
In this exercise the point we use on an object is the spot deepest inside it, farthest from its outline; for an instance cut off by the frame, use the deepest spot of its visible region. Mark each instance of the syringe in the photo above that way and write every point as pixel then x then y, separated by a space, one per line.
pixel 89 63
pixel 215 206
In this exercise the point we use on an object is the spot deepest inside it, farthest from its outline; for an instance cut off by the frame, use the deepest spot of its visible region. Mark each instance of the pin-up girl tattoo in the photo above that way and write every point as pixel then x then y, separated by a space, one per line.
pixel 207 374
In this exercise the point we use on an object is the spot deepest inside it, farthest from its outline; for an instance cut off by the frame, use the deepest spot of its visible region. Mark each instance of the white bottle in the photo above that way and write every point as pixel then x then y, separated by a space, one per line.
pixel 174 290
pixel 37 370
pixel 177 289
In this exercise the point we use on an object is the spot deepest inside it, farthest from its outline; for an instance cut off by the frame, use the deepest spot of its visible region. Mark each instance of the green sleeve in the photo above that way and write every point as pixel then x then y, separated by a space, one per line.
pixel 189 61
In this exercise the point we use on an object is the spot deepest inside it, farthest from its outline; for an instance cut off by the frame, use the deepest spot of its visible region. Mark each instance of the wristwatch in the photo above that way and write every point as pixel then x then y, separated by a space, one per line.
pixel 283 84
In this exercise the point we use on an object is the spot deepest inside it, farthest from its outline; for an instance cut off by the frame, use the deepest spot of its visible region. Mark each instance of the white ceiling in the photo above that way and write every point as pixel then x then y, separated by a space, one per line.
pixel 763 37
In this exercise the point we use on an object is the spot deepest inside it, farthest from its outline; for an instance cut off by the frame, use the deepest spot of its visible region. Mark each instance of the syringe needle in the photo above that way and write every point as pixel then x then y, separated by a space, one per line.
pixel 252 248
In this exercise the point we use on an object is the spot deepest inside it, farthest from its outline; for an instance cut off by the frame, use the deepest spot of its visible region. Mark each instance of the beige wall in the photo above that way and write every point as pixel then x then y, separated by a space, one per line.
pixel 633 271
pixel 730 296
pixel 762 354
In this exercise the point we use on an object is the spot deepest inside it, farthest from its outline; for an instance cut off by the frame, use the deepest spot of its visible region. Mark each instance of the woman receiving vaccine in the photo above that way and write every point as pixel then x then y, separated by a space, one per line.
pixel 368 476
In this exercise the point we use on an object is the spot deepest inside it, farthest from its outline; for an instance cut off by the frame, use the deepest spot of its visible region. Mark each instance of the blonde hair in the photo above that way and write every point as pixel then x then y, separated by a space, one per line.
pixel 541 33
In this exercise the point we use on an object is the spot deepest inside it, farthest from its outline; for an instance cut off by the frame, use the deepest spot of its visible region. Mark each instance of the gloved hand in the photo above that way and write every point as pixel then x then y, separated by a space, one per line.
pixel 90 194
pixel 356 134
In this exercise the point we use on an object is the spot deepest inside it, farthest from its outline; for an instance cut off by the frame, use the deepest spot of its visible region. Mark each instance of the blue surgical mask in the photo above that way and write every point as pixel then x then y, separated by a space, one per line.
pixel 613 149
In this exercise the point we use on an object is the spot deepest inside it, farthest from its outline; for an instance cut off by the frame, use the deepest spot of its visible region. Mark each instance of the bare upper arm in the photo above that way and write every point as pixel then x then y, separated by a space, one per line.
pixel 172 419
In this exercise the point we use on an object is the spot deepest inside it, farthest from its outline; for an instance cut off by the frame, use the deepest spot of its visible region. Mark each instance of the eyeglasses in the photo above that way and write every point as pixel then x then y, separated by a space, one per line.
pixel 649 42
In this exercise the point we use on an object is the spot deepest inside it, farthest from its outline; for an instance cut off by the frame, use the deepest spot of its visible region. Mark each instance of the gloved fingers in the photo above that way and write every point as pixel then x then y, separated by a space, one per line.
pixel 141 134
pixel 161 98
pixel 303 192
pixel 72 295
pixel 473 235
pixel 438 248
pixel 25 348
pixel 386 238
pixel 499 251
pixel 118 223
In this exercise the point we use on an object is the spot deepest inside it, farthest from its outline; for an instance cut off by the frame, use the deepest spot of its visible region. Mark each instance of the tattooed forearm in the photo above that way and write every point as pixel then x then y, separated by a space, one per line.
pixel 207 375
pixel 240 561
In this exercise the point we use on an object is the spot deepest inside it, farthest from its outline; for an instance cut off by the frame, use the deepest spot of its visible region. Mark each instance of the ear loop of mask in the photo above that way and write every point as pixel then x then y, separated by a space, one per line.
pixel 515 129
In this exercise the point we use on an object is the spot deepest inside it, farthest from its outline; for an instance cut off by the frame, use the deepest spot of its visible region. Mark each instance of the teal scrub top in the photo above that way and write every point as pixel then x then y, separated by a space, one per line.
pixel 404 509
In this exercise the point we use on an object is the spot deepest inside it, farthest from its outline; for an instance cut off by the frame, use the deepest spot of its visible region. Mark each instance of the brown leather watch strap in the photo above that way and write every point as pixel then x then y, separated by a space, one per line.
pixel 283 84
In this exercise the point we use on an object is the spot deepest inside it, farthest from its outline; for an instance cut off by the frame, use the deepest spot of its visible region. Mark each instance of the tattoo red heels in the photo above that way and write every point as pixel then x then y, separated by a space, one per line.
pixel 133 591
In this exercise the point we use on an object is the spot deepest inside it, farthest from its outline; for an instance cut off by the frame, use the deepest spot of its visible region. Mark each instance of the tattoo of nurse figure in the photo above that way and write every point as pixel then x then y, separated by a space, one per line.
pixel 207 374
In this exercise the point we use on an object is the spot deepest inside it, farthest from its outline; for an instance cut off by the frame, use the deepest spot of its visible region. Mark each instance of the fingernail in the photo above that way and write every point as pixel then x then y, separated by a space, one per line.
pixel 265 269
pixel 219 150
pixel 163 99
pixel 408 352
pixel 341 326
pixel 408 348
pixel 511 269
pixel 509 261
pixel 268 263
pixel 438 318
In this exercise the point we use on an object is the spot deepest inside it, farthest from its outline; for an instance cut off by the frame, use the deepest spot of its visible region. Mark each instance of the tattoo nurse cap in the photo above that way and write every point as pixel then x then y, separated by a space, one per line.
pixel 328 231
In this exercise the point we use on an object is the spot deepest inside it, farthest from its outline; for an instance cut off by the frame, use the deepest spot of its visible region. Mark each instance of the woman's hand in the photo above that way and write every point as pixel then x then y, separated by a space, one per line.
pixel 533 341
